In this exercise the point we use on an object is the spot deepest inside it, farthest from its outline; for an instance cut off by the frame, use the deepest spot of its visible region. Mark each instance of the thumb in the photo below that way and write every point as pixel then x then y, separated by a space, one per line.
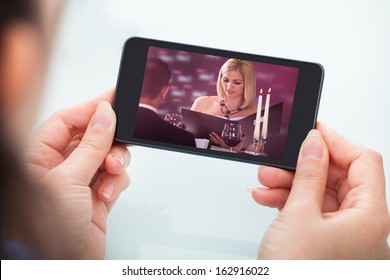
pixel 309 184
pixel 93 148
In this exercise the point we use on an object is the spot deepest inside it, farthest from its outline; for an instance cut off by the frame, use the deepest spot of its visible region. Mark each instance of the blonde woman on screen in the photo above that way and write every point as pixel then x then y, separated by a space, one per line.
pixel 236 90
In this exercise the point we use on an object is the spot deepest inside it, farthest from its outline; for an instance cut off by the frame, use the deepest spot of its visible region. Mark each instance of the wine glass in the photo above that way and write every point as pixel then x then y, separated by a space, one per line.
pixel 232 135
pixel 174 119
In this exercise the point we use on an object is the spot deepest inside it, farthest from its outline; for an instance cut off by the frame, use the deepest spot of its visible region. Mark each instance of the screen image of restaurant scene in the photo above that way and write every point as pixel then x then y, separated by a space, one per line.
pixel 175 79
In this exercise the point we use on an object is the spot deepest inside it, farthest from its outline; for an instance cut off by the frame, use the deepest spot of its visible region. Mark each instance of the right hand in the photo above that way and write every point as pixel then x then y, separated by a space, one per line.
pixel 333 207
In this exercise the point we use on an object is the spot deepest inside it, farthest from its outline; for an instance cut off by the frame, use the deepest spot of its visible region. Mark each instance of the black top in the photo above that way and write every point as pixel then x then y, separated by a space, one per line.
pixel 150 126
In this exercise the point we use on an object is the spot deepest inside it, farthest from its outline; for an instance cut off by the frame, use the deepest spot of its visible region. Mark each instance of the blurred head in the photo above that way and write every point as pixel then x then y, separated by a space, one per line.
pixel 25 35
pixel 156 79
pixel 237 78
pixel 26 32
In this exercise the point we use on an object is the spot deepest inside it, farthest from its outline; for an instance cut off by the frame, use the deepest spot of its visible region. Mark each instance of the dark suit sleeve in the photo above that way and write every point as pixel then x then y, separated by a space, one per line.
pixel 151 127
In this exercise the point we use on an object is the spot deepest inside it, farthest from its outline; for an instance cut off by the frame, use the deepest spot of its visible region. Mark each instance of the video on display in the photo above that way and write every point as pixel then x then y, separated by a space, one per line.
pixel 218 103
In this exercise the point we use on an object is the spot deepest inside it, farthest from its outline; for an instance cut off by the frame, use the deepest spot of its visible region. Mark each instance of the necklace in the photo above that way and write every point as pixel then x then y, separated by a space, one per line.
pixel 227 113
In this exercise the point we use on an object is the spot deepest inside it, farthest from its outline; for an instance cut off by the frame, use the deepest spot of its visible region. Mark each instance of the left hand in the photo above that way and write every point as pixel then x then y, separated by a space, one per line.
pixel 73 157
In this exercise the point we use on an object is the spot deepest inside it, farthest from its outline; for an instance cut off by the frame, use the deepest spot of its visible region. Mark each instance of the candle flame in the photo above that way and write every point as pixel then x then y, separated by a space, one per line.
pixel 269 90
pixel 261 91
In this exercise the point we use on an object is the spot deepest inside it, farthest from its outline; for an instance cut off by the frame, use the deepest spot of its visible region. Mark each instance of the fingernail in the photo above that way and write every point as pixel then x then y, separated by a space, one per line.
pixel 120 159
pixel 251 190
pixel 108 190
pixel 103 115
pixel 313 132
pixel 312 147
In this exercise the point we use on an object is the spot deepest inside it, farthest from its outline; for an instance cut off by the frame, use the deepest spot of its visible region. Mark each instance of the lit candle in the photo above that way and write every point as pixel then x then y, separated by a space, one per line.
pixel 266 112
pixel 256 133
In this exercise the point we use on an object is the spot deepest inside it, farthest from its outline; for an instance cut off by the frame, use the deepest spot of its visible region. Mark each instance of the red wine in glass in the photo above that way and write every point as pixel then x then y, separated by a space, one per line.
pixel 232 135
pixel 231 141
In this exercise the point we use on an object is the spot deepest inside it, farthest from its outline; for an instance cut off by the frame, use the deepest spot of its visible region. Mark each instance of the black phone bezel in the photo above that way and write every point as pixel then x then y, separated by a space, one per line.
pixel 128 90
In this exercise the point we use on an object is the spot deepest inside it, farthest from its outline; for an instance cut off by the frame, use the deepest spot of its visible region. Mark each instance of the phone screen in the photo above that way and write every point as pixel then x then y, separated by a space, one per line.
pixel 217 103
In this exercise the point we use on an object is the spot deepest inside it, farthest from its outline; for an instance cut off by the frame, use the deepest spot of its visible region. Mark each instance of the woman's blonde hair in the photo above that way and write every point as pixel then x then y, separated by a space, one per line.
pixel 248 72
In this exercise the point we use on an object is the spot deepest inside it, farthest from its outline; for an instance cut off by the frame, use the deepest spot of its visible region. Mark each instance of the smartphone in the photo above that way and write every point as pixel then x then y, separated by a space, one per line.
pixel 216 103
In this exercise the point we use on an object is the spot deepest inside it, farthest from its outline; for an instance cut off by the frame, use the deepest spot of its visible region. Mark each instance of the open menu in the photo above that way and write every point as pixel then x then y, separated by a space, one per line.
pixel 201 125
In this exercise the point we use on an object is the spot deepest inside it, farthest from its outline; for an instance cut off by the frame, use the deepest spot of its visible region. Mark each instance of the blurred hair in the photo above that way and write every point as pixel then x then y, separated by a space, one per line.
pixel 156 77
pixel 18 10
pixel 248 72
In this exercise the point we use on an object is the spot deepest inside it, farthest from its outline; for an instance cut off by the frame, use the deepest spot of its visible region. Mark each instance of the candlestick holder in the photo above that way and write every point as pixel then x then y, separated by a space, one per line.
pixel 258 147
pixel 262 148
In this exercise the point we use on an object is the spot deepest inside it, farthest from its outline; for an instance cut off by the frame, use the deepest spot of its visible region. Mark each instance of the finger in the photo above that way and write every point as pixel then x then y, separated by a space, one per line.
pixel 214 138
pixel 273 177
pixel 110 204
pixel 59 130
pixel 239 146
pixel 72 145
pixel 275 198
pixel 356 160
pixel 117 160
pixel 218 140
pixel 341 150
pixel 77 122
pixel 110 186
pixel 93 148
pixel 307 192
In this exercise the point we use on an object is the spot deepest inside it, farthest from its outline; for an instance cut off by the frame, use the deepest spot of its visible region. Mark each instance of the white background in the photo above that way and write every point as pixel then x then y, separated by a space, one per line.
pixel 98 270
pixel 189 207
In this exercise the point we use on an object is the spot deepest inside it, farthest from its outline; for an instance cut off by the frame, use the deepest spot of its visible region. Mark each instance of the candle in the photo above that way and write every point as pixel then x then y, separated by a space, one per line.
pixel 256 133
pixel 266 112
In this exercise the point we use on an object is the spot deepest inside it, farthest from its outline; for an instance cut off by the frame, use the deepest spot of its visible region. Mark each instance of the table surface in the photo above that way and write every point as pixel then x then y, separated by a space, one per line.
pixel 181 206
